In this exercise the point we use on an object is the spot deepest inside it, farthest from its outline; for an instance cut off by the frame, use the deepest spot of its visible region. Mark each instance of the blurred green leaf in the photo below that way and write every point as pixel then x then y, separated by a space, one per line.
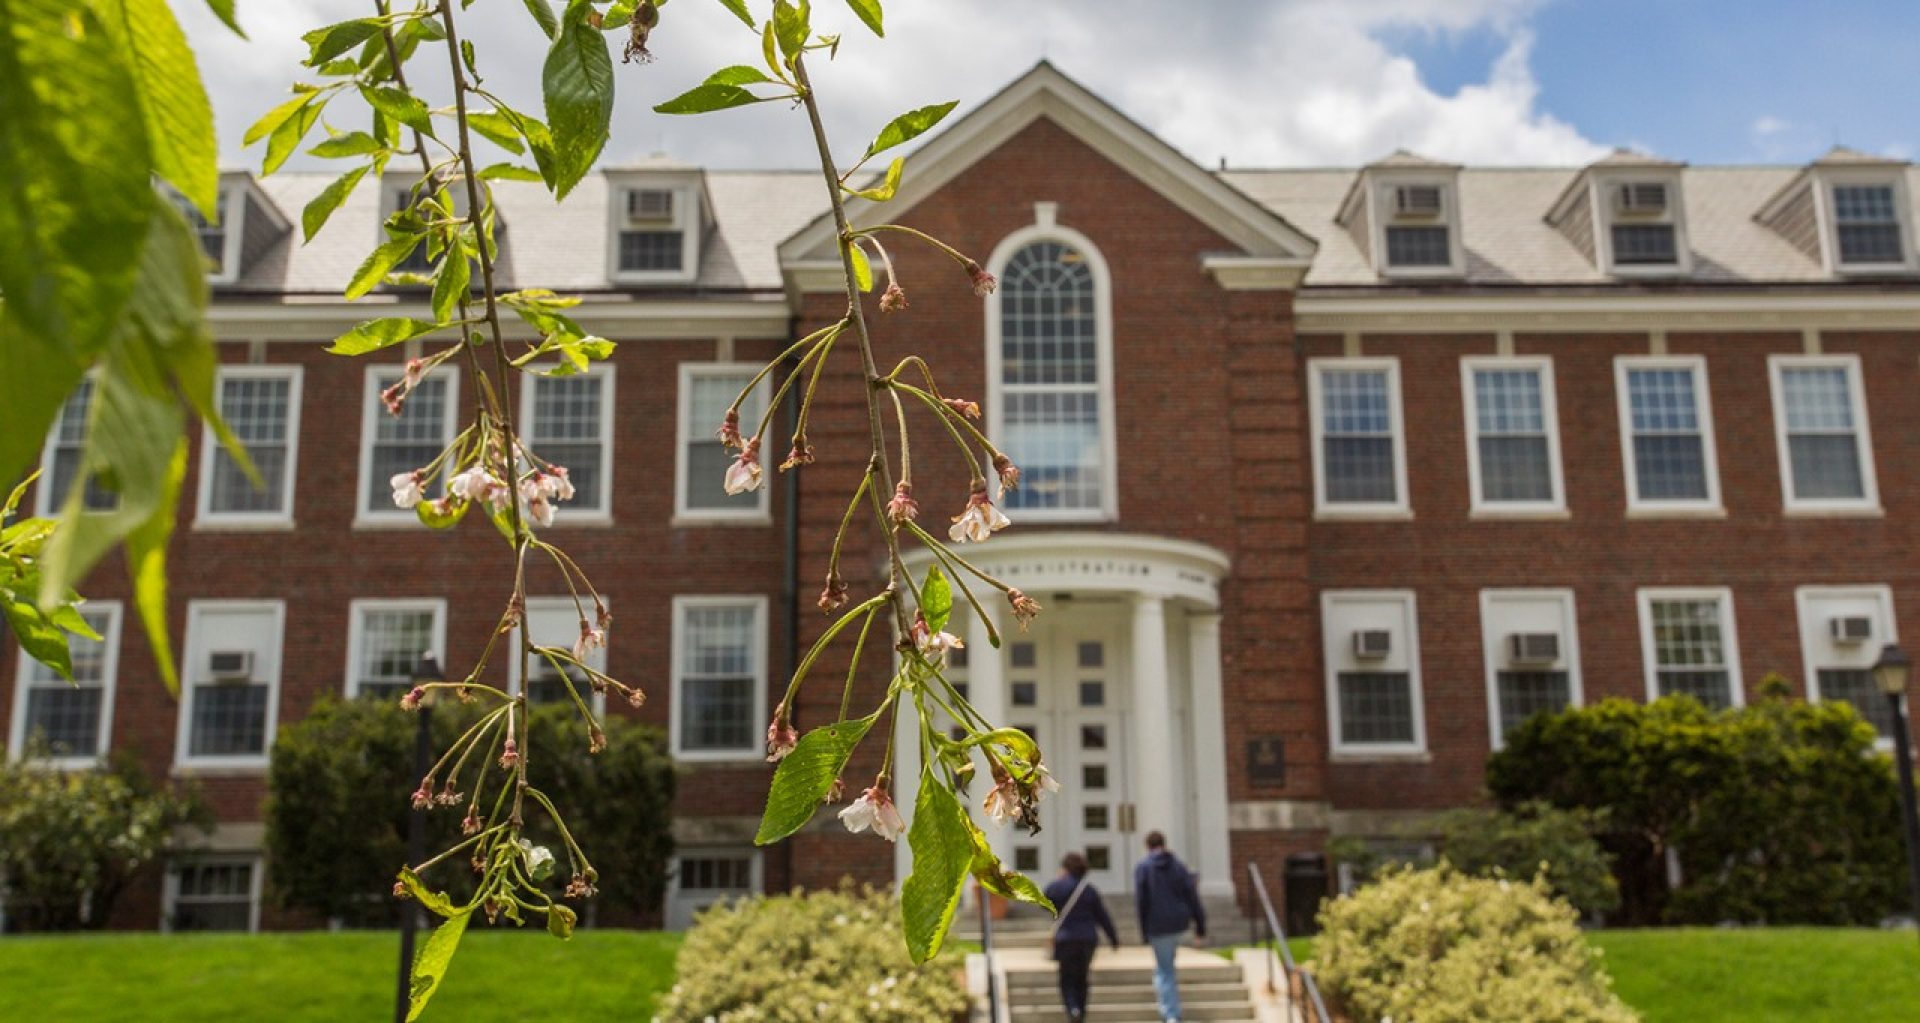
pixel 172 100
pixel 703 99
pixel 402 106
pixel 497 129
pixel 314 217
pixel 542 12
pixel 577 85
pixel 288 135
pixel 887 187
pixel 791 26
pixel 333 40
pixel 374 335
pixel 223 9
pixel 936 599
pixel 869 12
pixel 862 269
pixel 739 9
pixel 451 281
pixel 381 262
pixel 353 143
pixel 273 119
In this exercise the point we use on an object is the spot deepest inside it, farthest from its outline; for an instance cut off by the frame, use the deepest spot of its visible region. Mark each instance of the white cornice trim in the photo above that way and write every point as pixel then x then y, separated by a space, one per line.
pixel 1053 561
pixel 621 321
pixel 1846 309
pixel 1255 273
pixel 813 276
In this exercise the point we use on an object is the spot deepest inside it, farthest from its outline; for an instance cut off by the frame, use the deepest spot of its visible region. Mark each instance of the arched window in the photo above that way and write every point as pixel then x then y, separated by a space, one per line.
pixel 1051 374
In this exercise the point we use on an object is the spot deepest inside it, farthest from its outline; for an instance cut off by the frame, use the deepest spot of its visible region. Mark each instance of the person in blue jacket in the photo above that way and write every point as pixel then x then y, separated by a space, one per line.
pixel 1169 903
pixel 1076 933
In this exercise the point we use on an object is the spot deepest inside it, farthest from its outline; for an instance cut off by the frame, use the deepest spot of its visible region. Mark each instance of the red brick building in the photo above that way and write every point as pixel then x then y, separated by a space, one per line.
pixel 1331 476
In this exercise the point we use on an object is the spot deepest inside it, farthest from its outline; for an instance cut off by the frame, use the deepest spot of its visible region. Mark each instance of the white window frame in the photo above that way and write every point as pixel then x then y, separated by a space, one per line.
pixel 689 219
pixel 752 750
pixel 596 658
pixel 1601 196
pixel 759 512
pixel 572 513
pixel 1729 635
pixel 1810 601
pixel 170 894
pixel 1401 507
pixel 681 907
pixel 47 503
pixel 1332 640
pixel 370 412
pixel 230 205
pixel 357 631
pixel 1496 626
pixel 204 515
pixel 1381 195
pixel 1824 181
pixel 110 675
pixel 1048 231
pixel 194 648
pixel 1869 500
pixel 1542 365
pixel 1637 507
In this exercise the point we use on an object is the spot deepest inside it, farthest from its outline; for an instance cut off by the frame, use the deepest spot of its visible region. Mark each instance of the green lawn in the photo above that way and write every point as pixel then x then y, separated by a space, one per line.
pixel 524 977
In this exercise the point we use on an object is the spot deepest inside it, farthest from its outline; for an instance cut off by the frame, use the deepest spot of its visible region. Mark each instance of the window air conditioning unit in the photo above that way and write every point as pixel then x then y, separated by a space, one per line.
pixel 1640 199
pixel 650 206
pixel 1533 648
pixel 1416 202
pixel 230 665
pixel 1372 644
pixel 1850 630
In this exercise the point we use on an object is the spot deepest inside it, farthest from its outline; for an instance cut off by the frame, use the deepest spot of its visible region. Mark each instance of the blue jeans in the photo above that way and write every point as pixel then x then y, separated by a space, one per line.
pixel 1166 986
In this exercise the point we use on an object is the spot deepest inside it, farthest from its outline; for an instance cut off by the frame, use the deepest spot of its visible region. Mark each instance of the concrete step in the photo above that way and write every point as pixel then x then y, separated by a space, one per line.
pixel 1198 991
pixel 1143 1012
pixel 1191 975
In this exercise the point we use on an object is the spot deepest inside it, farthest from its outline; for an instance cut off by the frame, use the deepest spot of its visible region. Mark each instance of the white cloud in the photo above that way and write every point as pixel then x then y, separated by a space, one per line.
pixel 1273 82
pixel 1767 124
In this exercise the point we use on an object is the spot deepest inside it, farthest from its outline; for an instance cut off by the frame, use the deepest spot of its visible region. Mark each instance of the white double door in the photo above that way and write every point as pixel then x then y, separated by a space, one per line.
pixel 1067 686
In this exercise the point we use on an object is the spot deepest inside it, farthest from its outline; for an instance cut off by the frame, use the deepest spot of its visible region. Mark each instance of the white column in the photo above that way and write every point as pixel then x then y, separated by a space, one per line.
pixel 1154 774
pixel 1209 744
pixel 906 780
pixel 987 691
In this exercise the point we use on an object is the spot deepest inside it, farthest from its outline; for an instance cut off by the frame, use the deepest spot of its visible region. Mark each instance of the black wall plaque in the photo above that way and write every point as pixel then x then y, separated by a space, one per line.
pixel 1267 762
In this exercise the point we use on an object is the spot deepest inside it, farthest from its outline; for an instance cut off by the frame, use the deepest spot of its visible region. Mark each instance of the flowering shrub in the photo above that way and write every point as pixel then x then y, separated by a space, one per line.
pixel 1534 838
pixel 1437 946
pixel 819 957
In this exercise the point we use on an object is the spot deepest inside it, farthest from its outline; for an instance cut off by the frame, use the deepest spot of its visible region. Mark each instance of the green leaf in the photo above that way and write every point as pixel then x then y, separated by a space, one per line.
pixel 869 12
pixel 334 40
pixel 432 962
pixel 986 868
pixel 577 86
pixel 807 774
pixel 147 566
pixel 438 903
pixel 542 12
pixel 374 335
pixel 886 188
pixel 287 137
pixel 223 9
pixel 703 99
pixel 942 853
pixel 739 74
pixel 509 172
pixel 862 270
pixel 381 263
pixel 353 143
pixel 38 635
pixel 909 126
pixel 314 217
pixel 560 921
pixel 451 281
pixel 274 118
pixel 936 599
pixel 433 516
pixel 739 9
pixel 402 106
pixel 172 101
pixel 472 62
pixel 497 129
pixel 790 26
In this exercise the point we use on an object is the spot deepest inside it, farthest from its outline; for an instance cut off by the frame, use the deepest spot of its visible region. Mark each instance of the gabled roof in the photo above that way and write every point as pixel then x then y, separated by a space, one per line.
pixel 1398 160
pixel 1843 156
pixel 1620 159
pixel 1045 92
pixel 1837 158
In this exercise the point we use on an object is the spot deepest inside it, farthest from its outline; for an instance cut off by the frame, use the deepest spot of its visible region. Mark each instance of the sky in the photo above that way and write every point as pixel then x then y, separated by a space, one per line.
pixel 1254 83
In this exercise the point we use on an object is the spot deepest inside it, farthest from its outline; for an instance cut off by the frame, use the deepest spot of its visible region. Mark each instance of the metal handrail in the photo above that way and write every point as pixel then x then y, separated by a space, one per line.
pixel 1277 937
pixel 986 949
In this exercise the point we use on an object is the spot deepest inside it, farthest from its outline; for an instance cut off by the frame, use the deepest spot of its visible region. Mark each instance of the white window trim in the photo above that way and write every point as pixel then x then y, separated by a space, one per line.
pixel 681 905
pixel 357 633
pixel 1804 599
pixel 46 503
pixel 1556 506
pixel 170 896
pixel 1401 507
pixel 230 205
pixel 1824 180
pixel 536 605
pixel 1381 216
pixel 751 751
pixel 1490 648
pixel 1729 635
pixel 1599 195
pixel 569 513
pixel 1329 599
pixel 1048 231
pixel 689 219
pixel 204 516
pixel 1638 507
pixel 1869 501
pixel 110 675
pixel 760 511
pixel 370 412
pixel 183 720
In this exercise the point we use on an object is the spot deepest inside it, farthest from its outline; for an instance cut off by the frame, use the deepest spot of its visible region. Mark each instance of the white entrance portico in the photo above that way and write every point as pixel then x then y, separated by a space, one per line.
pixel 1119 681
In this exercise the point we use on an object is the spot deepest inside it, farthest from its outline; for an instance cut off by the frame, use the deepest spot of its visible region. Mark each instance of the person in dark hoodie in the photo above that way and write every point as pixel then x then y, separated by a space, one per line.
pixel 1164 892
pixel 1076 933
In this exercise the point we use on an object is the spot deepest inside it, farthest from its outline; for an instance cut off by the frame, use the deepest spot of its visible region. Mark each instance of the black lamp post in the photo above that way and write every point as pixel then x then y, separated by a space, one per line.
pixel 1891 673
pixel 427 670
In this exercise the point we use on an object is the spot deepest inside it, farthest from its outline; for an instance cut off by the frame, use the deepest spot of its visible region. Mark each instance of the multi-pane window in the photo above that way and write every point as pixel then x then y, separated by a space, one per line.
pixel 1825 459
pixel 231 683
pixel 1856 686
pixel 1690 644
pixel 1866 224
pixel 719 675
pixel 1842 631
pixel 656 231
pixel 1050 388
pixel 213 236
pixel 71 718
pixel 1532 655
pixel 1375 707
pixel 390 637
pixel 262 407
pixel 706 391
pixel 555 622
pixel 1418 246
pixel 568 422
pixel 1372 657
pixel 1524 693
pixel 1512 431
pixel 65 457
pixel 1417 225
pixel 642 251
pixel 716 874
pixel 1356 420
pixel 212 895
pixel 1644 245
pixel 1669 433
pixel 395 444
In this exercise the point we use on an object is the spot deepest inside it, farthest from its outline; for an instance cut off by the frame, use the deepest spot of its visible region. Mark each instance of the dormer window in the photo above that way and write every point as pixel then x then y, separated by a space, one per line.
pixel 652 240
pixel 1624 212
pixel 1848 212
pixel 246 224
pixel 1643 232
pixel 657 220
pixel 1417 235
pixel 213 235
pixel 1866 224
pixel 1404 214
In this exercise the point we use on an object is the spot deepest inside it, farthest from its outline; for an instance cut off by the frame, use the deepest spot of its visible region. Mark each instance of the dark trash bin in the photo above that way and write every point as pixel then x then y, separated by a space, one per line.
pixel 1306 887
